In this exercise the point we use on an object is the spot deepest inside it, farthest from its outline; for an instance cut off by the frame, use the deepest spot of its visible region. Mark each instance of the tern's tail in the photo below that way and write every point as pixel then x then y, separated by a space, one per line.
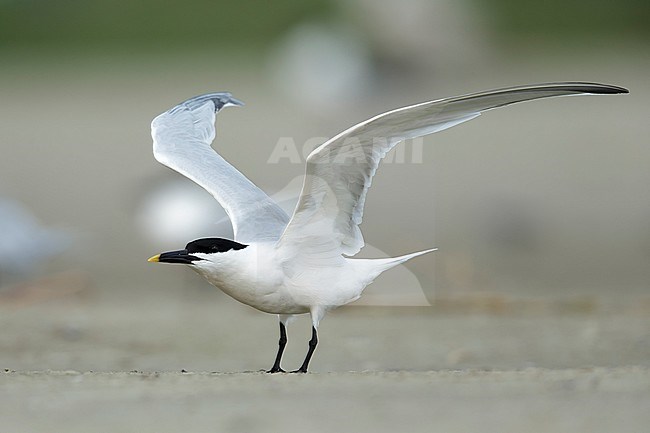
pixel 386 264
pixel 377 266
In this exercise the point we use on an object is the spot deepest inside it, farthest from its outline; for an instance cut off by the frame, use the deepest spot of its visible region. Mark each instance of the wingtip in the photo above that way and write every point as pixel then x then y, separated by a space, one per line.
pixel 220 100
pixel 587 87
pixel 234 102
pixel 611 89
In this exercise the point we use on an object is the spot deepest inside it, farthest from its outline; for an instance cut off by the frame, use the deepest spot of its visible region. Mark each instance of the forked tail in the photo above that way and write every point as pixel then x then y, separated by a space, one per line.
pixel 391 262
pixel 377 266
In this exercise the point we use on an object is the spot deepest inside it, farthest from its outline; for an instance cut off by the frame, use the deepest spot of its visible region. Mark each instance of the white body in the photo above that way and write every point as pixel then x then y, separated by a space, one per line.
pixel 261 277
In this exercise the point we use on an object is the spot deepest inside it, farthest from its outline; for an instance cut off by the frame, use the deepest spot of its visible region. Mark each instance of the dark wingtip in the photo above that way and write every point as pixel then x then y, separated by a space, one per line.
pixel 584 87
pixel 610 90
pixel 235 102
pixel 220 99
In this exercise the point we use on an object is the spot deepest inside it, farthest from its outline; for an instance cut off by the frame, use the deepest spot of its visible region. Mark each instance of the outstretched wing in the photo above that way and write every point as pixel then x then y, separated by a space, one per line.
pixel 181 141
pixel 339 172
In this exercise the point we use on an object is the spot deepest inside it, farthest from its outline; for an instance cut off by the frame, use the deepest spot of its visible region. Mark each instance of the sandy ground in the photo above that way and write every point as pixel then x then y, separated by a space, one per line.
pixel 190 361
pixel 531 400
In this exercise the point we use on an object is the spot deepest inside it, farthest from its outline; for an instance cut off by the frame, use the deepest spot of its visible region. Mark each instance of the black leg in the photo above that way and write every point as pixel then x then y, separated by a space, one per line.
pixel 283 342
pixel 312 346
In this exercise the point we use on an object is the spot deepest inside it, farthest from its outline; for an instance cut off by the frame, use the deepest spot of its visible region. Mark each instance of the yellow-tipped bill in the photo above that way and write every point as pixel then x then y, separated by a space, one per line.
pixel 155 258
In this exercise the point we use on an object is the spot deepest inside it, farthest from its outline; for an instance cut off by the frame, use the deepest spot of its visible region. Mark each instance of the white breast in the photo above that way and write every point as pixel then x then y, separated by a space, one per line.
pixel 255 276
pixel 251 276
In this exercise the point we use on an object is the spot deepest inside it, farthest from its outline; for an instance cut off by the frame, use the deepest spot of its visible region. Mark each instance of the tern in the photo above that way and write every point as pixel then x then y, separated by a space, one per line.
pixel 303 264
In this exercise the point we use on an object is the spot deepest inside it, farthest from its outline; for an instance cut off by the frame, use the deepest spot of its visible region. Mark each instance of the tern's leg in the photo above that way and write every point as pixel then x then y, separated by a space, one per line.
pixel 312 346
pixel 316 315
pixel 281 343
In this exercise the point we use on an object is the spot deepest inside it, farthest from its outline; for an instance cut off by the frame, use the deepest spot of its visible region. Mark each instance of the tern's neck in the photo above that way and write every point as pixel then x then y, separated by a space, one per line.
pixel 236 267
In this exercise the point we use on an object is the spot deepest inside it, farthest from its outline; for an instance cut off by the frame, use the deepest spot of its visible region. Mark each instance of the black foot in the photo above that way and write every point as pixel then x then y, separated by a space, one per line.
pixel 300 370
pixel 276 370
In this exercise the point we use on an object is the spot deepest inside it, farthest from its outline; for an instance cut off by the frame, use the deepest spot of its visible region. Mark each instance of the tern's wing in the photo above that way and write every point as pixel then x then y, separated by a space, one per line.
pixel 339 172
pixel 181 141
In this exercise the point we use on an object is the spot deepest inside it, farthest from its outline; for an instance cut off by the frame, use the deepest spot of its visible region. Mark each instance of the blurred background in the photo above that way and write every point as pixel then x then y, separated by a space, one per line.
pixel 539 208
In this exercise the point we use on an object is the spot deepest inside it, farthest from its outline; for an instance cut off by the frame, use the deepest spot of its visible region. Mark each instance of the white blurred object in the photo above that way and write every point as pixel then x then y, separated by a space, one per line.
pixel 176 211
pixel 318 65
pixel 25 245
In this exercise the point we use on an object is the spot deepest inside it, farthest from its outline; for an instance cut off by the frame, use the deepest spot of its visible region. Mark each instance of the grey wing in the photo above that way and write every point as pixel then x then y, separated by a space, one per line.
pixel 181 141
pixel 326 219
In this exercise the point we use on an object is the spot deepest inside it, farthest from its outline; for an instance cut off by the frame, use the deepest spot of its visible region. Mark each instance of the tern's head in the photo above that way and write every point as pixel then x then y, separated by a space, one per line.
pixel 200 249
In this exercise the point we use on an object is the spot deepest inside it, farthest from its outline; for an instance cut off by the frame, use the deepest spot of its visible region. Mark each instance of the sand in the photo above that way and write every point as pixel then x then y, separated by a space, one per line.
pixel 192 364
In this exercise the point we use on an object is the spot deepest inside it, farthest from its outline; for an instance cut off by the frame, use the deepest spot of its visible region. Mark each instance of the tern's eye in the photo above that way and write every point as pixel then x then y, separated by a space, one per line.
pixel 213 245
